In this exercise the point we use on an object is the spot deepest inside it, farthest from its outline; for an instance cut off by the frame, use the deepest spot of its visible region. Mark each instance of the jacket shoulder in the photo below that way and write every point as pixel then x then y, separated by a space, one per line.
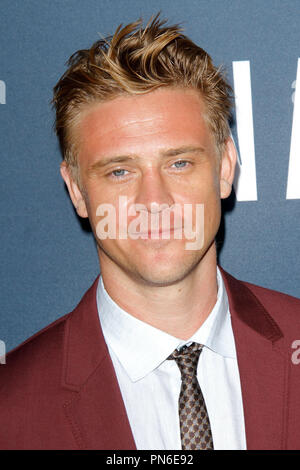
pixel 34 357
pixel 42 355
pixel 284 308
pixel 279 308
pixel 269 295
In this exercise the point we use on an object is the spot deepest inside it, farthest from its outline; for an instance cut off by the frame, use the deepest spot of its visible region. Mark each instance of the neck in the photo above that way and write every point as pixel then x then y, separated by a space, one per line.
pixel 178 309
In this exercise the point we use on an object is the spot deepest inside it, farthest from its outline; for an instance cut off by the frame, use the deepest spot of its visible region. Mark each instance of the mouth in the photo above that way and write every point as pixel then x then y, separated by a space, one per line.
pixel 156 234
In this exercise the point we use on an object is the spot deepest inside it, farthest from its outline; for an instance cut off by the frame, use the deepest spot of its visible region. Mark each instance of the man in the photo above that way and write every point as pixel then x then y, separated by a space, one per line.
pixel 166 350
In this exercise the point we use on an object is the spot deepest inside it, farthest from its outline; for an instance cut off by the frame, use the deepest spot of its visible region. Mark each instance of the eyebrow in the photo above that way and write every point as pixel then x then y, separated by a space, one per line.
pixel 173 152
pixel 182 150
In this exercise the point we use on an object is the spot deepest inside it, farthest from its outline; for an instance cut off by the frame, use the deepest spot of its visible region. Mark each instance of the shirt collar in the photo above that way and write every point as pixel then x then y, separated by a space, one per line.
pixel 131 338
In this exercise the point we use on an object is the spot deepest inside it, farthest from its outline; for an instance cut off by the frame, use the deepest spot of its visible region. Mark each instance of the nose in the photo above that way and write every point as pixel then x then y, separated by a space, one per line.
pixel 154 192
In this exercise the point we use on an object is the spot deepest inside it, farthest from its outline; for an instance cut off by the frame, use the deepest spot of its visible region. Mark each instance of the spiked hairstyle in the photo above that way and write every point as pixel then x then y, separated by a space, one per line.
pixel 138 60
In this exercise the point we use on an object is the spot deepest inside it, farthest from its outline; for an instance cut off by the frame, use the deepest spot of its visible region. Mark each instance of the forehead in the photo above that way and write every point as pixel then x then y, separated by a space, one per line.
pixel 164 117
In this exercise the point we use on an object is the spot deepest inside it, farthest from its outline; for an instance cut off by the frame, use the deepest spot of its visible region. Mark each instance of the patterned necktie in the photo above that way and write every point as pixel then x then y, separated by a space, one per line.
pixel 194 422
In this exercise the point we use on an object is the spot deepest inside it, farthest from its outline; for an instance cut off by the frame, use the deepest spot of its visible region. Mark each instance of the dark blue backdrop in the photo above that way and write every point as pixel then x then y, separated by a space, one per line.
pixel 48 261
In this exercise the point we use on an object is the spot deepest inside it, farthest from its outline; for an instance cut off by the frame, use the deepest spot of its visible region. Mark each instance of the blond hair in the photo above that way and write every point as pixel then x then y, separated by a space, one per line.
pixel 137 60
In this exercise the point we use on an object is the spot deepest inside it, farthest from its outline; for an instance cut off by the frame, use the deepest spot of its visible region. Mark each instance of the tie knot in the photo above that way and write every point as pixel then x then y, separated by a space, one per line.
pixel 187 358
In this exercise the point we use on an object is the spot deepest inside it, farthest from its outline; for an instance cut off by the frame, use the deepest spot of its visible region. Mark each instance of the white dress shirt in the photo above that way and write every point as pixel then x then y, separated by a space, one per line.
pixel 150 384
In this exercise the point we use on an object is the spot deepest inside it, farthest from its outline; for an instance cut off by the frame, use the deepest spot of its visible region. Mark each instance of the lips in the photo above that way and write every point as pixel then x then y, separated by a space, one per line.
pixel 155 233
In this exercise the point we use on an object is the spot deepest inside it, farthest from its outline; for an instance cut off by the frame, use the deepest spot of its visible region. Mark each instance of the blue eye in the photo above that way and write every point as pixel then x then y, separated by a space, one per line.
pixel 118 172
pixel 180 164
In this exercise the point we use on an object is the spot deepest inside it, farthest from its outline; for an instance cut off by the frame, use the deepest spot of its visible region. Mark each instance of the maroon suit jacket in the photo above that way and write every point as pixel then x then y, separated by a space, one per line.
pixel 58 390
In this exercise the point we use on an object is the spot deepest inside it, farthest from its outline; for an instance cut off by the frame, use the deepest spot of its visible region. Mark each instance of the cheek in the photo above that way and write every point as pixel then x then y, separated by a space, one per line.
pixel 213 186
pixel 95 195
pixel 93 201
pixel 108 212
pixel 212 203
pixel 205 189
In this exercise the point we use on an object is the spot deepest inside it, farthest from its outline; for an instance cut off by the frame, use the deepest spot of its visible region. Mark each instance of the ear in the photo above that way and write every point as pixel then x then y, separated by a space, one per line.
pixel 74 191
pixel 227 168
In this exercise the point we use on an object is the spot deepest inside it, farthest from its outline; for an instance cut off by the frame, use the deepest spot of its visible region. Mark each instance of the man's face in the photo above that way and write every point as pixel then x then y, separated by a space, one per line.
pixel 157 151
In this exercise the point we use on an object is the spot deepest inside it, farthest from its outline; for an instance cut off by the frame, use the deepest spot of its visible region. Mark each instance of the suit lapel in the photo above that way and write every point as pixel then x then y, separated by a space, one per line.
pixel 263 367
pixel 95 410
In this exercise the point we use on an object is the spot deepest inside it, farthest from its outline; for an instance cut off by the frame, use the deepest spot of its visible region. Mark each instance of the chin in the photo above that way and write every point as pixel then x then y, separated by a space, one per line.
pixel 165 274
pixel 163 266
